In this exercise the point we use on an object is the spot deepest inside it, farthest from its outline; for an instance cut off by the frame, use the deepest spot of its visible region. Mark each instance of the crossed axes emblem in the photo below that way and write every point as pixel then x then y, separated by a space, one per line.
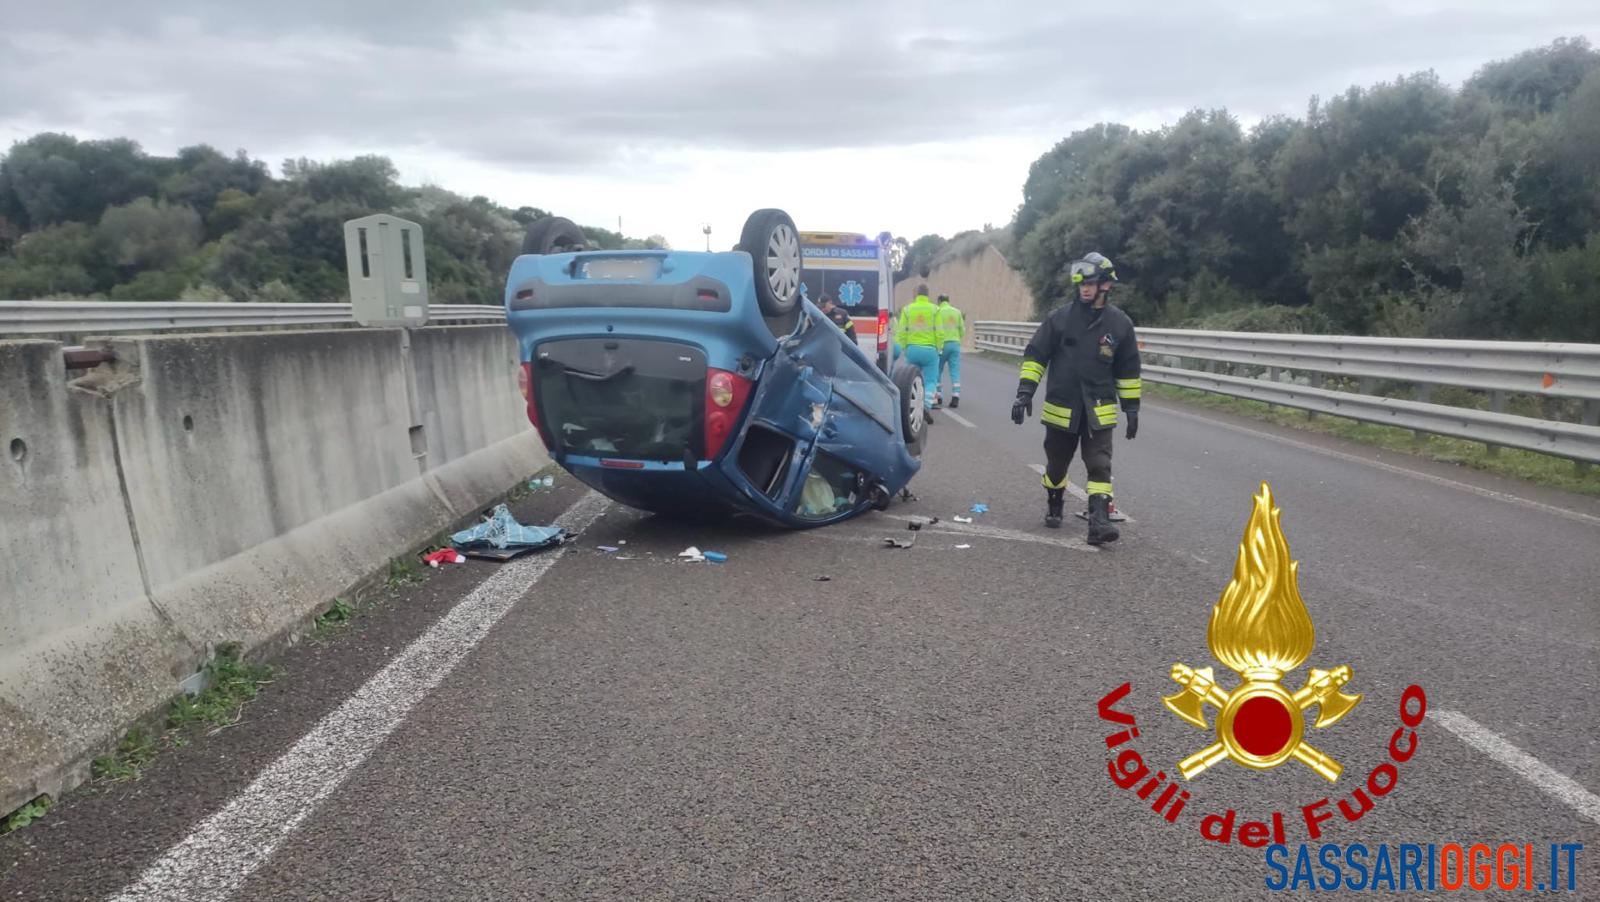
pixel 1256 742
pixel 1261 629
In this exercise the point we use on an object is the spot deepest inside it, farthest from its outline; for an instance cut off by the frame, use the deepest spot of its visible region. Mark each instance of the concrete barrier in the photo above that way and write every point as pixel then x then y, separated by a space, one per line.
pixel 205 489
pixel 983 285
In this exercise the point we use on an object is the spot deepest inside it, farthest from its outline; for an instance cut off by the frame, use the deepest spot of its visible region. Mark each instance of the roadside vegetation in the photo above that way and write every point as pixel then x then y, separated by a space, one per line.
pixel 231 684
pixel 1407 208
pixel 105 220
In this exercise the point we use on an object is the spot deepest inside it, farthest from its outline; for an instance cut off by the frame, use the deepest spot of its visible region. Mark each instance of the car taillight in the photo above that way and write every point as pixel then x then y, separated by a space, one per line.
pixel 883 330
pixel 525 383
pixel 720 389
pixel 725 396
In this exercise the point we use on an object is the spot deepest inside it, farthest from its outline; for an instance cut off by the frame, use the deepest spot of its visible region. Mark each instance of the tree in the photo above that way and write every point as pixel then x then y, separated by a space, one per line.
pixel 147 234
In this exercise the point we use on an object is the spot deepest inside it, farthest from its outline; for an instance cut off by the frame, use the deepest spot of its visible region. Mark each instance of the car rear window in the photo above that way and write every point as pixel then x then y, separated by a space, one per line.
pixel 623 398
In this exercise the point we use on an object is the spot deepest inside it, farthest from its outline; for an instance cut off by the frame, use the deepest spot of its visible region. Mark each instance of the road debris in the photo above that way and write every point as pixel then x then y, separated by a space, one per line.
pixel 963 519
pixel 980 508
pixel 500 537
pixel 609 549
pixel 900 543
pixel 822 579
pixel 919 522
pixel 443 556
pixel 963 546
pixel 695 556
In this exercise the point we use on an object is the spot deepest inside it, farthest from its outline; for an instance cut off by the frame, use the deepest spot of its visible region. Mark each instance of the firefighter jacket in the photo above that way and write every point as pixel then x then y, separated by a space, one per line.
pixel 1088 360
pixel 843 321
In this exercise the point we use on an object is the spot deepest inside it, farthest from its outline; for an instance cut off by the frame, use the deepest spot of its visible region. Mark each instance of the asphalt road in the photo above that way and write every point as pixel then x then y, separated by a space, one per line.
pixel 923 725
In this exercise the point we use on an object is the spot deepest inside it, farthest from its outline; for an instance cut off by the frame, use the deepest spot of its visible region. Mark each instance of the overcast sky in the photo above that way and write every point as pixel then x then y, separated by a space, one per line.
pixel 854 115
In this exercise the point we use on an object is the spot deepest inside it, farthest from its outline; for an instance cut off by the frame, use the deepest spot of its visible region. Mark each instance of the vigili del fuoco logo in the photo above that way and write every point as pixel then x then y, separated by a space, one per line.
pixel 1260 629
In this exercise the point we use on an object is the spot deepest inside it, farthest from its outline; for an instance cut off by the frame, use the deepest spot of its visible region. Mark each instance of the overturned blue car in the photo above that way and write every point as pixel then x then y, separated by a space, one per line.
pixel 704 385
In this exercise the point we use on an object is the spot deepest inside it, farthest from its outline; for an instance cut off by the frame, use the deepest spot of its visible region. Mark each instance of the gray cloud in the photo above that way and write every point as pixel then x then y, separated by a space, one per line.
pixel 599 86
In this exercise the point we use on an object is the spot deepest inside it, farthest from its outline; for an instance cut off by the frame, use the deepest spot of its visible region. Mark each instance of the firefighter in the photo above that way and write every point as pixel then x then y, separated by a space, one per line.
pixel 839 317
pixel 952 327
pixel 1088 356
pixel 917 332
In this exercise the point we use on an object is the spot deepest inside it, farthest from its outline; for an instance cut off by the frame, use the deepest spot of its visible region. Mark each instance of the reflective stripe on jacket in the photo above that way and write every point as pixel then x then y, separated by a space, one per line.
pixel 1089 362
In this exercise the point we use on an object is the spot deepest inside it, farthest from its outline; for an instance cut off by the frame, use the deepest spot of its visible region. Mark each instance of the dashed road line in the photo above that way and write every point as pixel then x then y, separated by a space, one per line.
pixel 958 418
pixel 1546 778
pixel 1078 493
pixel 996 532
pixel 223 851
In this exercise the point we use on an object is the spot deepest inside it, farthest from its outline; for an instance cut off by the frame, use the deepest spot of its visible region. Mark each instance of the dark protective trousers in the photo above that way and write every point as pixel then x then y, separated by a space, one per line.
pixel 1059 446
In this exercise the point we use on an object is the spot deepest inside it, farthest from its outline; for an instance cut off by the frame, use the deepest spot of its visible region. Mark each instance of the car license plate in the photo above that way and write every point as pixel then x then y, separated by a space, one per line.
pixel 641 269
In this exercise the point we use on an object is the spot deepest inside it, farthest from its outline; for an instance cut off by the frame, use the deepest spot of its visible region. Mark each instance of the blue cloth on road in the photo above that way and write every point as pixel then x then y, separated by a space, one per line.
pixel 950 358
pixel 502 530
pixel 928 359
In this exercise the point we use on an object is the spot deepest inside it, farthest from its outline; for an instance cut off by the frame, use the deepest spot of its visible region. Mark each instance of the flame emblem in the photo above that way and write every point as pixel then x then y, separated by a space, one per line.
pixel 1261 630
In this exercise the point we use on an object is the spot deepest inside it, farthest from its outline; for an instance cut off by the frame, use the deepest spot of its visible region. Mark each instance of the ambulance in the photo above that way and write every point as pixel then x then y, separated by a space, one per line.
pixel 856 271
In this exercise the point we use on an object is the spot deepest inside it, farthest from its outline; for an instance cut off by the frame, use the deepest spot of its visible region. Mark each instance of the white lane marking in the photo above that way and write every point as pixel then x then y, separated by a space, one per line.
pixel 1078 493
pixel 1549 780
pixel 959 418
pixel 1072 490
pixel 995 532
pixel 223 851
pixel 1578 516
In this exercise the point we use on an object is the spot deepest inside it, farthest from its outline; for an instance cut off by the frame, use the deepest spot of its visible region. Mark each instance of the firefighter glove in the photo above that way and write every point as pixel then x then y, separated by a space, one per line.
pixel 1023 403
pixel 1133 423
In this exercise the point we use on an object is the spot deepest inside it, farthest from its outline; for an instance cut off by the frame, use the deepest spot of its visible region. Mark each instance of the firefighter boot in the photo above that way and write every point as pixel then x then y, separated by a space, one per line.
pixel 1100 528
pixel 1055 502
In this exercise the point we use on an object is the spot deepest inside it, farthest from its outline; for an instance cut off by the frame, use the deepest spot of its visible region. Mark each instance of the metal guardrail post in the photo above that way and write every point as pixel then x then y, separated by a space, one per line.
pixel 1591 418
pixel 1497 404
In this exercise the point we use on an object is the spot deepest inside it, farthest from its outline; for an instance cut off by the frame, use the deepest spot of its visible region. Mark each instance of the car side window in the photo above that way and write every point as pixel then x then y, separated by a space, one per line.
pixel 831 488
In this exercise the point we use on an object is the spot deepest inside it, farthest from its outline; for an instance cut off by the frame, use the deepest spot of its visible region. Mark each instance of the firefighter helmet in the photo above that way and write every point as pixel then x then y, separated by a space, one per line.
pixel 1094 267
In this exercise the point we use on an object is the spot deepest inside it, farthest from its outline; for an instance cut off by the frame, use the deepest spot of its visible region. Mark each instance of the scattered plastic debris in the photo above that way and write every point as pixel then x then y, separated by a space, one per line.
pixel 900 543
pixel 822 579
pixel 980 508
pixel 444 556
pixel 963 546
pixel 500 537
pixel 919 522
pixel 963 519
pixel 609 549
pixel 544 483
pixel 692 554
pixel 716 557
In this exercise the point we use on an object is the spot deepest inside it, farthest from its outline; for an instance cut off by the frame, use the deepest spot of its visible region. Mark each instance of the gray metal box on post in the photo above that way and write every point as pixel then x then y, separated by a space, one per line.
pixel 388 272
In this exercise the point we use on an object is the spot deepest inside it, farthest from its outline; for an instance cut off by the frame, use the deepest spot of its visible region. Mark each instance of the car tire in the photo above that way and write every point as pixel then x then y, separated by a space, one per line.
pixel 553 235
pixel 773 243
pixel 913 420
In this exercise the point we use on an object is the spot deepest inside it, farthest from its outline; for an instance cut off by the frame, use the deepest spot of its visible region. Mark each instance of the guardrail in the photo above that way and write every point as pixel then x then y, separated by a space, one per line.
pixel 1288 370
pixel 109 317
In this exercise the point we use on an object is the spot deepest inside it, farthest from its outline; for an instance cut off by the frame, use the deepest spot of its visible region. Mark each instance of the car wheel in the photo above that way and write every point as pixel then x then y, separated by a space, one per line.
pixel 773 243
pixel 553 235
pixel 913 419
